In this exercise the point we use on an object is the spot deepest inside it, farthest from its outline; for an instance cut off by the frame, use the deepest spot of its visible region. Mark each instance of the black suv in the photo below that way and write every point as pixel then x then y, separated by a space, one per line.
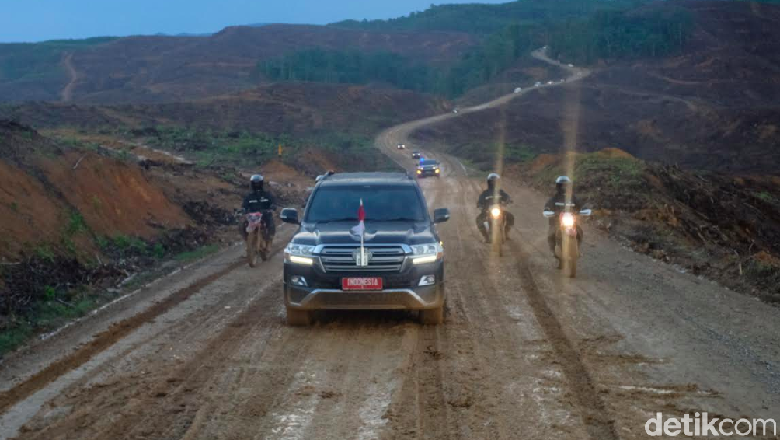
pixel 428 167
pixel 398 263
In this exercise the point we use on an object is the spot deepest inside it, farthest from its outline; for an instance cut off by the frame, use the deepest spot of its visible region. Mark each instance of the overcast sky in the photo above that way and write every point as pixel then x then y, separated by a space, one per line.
pixel 36 20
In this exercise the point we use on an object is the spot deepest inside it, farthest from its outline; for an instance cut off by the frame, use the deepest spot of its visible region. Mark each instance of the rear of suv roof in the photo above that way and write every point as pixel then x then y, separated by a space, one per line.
pixel 367 178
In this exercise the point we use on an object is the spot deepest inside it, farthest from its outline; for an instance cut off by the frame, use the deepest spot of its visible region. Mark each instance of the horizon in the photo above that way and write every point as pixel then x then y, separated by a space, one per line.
pixel 46 20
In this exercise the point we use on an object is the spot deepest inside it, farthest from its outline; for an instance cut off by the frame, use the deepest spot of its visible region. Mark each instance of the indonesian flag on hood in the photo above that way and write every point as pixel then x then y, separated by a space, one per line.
pixel 361 227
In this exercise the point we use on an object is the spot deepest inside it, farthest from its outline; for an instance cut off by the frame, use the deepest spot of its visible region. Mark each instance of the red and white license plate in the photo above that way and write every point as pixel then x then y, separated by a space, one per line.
pixel 361 283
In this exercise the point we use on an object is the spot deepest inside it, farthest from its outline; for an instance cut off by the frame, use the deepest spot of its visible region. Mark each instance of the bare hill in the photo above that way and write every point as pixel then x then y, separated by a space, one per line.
pixel 165 69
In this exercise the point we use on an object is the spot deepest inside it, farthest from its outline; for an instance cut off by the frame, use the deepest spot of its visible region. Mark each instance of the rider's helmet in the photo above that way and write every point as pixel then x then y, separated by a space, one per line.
pixel 562 184
pixel 492 181
pixel 256 182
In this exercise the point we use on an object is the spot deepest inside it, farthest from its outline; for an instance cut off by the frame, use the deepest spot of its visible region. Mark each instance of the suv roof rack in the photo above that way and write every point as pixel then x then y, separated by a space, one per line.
pixel 375 177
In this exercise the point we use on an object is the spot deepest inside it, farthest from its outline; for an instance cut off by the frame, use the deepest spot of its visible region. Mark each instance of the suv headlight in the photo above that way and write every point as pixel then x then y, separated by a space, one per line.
pixel 299 254
pixel 427 253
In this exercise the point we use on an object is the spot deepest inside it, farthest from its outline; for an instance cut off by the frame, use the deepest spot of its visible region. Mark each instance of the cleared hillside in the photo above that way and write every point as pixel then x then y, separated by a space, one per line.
pixel 165 69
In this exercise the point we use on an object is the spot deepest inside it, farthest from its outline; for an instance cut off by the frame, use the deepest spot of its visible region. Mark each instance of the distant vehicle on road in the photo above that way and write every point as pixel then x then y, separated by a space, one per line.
pixel 365 241
pixel 428 167
pixel 518 90
pixel 401 147
pixel 549 82
pixel 537 84
pixel 571 65
pixel 416 155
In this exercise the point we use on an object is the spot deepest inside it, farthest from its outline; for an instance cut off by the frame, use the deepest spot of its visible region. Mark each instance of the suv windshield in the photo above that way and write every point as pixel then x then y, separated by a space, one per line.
pixel 427 162
pixel 380 202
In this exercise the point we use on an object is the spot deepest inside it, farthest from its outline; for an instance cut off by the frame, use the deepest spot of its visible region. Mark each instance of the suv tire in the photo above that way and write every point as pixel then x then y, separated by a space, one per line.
pixel 298 318
pixel 432 316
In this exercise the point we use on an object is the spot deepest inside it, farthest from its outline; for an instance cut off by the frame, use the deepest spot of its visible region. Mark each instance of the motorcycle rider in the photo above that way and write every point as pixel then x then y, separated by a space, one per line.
pixel 259 200
pixel 563 193
pixel 489 197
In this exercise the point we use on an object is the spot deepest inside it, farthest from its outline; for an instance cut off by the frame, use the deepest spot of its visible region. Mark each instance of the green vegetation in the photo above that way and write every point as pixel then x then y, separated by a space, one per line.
pixel 578 31
pixel 599 171
pixel 621 168
pixel 56 308
pixel 231 148
pixel 44 252
pixel 766 196
pixel 14 336
pixel 519 153
pixel 76 223
pixel 485 18
pixel 318 65
pixel 36 61
pixel 197 254
pixel 622 34
pixel 210 147
pixel 126 245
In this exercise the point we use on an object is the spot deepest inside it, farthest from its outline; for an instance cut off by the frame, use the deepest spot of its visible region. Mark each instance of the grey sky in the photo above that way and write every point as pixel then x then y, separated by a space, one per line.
pixel 36 20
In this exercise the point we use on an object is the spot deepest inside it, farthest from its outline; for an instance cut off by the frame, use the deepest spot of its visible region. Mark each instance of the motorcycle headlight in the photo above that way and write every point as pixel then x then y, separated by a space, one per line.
pixel 299 254
pixel 567 219
pixel 427 253
pixel 438 171
pixel 495 212
pixel 419 171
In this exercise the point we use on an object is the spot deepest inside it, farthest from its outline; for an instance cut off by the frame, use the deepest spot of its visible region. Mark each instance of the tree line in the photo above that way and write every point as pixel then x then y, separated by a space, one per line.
pixel 605 34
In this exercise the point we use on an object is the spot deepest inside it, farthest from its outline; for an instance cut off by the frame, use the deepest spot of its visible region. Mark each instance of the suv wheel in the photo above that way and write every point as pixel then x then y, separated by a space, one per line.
pixel 298 318
pixel 432 316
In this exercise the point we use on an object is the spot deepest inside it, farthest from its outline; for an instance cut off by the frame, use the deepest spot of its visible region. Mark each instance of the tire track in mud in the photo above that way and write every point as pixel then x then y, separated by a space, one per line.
pixel 108 338
pixel 599 424
pixel 174 402
pixel 196 393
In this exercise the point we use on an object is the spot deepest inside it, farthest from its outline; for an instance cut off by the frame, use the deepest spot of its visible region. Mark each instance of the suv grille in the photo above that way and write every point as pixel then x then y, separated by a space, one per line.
pixel 342 259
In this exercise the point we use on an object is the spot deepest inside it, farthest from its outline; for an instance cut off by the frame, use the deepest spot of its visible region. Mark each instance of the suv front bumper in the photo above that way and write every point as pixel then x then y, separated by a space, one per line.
pixel 325 295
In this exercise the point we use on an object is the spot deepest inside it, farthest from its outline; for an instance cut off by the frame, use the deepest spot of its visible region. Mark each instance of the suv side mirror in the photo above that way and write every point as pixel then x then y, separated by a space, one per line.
pixel 290 215
pixel 441 215
pixel 548 214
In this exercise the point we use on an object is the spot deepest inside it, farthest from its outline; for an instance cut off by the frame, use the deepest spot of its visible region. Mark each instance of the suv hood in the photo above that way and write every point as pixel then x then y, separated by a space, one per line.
pixel 410 233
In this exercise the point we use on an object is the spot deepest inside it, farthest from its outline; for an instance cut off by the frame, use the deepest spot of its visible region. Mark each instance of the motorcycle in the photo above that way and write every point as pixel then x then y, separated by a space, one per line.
pixel 496 225
pixel 257 238
pixel 567 250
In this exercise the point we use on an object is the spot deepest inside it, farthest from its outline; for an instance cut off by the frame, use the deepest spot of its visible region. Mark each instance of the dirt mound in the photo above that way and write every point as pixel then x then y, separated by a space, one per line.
pixel 165 69
pixel 113 197
pixel 615 152
pixel 714 224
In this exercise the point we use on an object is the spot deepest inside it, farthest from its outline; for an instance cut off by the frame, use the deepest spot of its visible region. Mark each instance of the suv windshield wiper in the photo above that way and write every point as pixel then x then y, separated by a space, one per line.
pixel 336 220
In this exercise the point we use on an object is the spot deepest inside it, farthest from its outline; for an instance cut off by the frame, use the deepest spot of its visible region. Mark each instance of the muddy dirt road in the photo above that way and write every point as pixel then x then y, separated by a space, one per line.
pixel 524 353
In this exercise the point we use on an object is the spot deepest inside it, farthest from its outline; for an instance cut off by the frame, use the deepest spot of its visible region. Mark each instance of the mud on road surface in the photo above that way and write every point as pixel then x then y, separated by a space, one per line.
pixel 523 353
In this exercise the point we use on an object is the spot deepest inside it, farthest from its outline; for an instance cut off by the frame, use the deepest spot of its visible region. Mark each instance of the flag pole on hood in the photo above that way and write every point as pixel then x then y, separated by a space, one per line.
pixel 360 229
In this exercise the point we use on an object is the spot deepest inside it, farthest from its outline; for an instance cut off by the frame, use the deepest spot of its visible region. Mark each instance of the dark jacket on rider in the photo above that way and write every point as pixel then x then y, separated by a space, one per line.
pixel 484 203
pixel 261 201
pixel 258 201
pixel 556 204
pixel 486 198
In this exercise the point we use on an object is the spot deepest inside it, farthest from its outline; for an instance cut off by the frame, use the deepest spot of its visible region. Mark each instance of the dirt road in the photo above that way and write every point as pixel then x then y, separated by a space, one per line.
pixel 523 353
pixel 66 95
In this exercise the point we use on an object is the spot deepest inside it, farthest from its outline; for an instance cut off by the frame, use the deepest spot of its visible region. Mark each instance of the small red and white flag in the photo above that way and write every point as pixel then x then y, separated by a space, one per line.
pixel 361 227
